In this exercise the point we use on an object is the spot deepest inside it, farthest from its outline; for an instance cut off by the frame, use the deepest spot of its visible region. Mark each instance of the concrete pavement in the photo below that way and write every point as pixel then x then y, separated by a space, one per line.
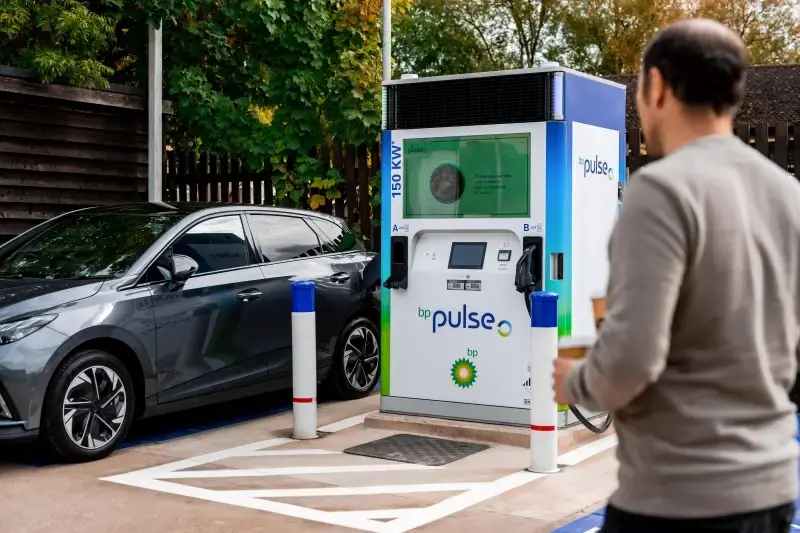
pixel 251 478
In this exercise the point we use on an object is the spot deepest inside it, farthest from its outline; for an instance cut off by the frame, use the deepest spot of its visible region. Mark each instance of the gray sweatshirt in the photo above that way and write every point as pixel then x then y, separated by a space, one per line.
pixel 699 347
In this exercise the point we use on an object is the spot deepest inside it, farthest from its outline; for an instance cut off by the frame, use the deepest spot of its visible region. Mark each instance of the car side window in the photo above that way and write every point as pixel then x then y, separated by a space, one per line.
pixel 336 238
pixel 216 244
pixel 283 237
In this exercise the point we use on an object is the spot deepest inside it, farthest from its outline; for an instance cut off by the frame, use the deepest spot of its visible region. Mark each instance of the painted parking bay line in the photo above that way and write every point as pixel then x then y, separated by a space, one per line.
pixel 400 520
pixel 588 524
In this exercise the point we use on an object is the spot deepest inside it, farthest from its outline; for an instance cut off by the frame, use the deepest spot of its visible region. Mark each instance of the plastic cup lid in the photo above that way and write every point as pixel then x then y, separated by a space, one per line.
pixel 576 342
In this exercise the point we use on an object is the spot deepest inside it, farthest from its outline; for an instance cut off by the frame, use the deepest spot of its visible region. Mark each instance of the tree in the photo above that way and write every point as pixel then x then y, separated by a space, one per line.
pixel 265 81
pixel 59 39
pixel 605 37
pixel 271 81
pixel 531 21
pixel 440 37
pixel 608 37
pixel 769 28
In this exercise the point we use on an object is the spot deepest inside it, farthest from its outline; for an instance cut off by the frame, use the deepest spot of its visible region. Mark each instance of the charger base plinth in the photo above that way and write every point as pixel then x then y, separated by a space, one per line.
pixel 494 434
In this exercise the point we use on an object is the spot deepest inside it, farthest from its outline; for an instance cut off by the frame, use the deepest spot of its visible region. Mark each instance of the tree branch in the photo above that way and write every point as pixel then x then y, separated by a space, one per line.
pixel 470 20
pixel 521 36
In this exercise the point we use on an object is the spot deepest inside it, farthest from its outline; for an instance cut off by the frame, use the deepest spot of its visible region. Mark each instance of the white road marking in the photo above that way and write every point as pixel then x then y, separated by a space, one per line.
pixel 291 471
pixel 356 491
pixel 578 455
pixel 401 520
pixel 239 451
pixel 593 530
pixel 460 502
pixel 344 424
pixel 294 511
pixel 381 514
pixel 280 453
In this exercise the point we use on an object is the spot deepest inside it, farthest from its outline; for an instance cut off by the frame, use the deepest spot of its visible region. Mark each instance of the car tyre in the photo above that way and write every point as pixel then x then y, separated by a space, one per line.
pixel 88 408
pixel 356 361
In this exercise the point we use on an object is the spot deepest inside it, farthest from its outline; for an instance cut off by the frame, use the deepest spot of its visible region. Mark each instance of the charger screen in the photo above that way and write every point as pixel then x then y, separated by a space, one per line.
pixel 467 255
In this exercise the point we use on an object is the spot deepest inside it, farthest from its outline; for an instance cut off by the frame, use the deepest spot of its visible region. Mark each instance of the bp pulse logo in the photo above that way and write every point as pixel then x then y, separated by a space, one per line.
pixel 596 166
pixel 464 319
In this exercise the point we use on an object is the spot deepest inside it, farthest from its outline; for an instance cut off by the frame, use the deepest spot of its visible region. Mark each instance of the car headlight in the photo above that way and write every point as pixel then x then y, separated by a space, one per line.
pixel 14 331
pixel 5 412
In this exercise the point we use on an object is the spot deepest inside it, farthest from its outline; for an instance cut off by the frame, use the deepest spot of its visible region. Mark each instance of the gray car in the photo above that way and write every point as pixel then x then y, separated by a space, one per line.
pixel 109 314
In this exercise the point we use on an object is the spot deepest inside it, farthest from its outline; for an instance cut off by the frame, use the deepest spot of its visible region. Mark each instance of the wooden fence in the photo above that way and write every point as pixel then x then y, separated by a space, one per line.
pixel 209 178
pixel 192 177
pixel 64 148
pixel 777 141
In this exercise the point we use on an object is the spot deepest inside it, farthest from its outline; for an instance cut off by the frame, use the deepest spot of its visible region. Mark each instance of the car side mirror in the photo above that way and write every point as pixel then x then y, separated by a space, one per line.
pixel 182 267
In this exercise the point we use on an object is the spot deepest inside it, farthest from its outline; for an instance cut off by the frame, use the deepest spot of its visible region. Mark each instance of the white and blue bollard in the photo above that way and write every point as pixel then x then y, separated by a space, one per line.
pixel 304 361
pixel 544 410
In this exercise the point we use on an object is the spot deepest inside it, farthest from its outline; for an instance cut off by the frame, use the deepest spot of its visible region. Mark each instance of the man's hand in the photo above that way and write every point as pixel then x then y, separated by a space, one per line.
pixel 561 367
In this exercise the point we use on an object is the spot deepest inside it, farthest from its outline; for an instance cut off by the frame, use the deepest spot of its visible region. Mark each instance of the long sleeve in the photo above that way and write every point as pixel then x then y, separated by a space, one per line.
pixel 647 254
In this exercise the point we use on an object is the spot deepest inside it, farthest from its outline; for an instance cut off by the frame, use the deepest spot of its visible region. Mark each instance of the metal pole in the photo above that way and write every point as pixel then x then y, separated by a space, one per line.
pixel 155 141
pixel 387 40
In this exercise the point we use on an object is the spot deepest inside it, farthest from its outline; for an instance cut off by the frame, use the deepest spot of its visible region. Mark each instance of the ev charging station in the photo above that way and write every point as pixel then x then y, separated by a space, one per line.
pixel 494 185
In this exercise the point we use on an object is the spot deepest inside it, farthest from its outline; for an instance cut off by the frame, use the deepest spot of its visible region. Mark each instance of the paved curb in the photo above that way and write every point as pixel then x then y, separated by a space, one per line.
pixel 473 431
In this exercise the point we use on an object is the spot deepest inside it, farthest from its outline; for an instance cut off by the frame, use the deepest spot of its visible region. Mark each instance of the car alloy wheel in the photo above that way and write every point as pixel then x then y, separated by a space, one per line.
pixel 94 407
pixel 361 358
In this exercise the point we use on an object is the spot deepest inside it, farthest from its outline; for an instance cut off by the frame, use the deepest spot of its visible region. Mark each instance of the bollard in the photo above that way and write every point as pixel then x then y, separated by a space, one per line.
pixel 544 411
pixel 304 361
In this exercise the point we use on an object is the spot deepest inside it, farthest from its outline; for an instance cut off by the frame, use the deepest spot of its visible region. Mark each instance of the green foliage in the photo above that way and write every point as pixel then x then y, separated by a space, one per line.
pixel 602 37
pixel 271 81
pixel 441 37
pixel 62 40
pixel 265 81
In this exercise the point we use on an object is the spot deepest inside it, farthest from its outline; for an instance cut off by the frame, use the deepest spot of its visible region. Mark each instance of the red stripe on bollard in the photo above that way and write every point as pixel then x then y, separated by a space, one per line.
pixel 303 400
pixel 543 428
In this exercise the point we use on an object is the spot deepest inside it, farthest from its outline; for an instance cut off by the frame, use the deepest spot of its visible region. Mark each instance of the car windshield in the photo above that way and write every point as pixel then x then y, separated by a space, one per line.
pixel 88 245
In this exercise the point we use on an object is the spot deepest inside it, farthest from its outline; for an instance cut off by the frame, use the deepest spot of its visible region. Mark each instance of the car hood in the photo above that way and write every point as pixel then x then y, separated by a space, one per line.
pixel 20 297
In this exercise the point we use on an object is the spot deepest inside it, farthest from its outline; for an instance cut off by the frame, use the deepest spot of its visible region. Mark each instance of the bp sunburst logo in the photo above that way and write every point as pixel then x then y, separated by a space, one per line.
pixel 463 373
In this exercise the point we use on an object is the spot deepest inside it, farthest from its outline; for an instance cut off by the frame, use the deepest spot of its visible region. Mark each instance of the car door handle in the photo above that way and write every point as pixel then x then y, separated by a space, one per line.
pixel 248 295
pixel 340 277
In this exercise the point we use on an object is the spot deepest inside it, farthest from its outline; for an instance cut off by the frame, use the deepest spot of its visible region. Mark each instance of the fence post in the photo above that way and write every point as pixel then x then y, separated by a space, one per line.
pixel 544 411
pixel 304 361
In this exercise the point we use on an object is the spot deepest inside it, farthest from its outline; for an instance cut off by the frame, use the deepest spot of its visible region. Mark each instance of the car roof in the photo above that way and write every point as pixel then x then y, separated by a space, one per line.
pixel 189 208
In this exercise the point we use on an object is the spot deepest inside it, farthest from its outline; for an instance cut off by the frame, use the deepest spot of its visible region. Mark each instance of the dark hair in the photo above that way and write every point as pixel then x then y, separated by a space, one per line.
pixel 704 65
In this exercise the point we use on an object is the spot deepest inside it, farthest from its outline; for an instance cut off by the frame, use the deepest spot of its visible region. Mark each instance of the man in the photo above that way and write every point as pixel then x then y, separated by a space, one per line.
pixel 698 350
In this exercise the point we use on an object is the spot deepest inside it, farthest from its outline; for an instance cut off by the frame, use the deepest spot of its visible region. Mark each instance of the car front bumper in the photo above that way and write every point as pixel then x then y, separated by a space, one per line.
pixel 26 367
pixel 16 431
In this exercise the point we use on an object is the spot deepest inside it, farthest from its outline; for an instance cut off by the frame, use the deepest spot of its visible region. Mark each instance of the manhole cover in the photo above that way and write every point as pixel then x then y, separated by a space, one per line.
pixel 416 449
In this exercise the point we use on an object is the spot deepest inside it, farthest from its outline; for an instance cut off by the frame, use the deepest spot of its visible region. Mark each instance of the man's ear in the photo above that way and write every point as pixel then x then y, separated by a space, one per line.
pixel 657 88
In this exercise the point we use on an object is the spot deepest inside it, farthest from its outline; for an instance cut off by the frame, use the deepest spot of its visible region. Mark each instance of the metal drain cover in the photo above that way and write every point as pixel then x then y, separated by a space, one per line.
pixel 416 449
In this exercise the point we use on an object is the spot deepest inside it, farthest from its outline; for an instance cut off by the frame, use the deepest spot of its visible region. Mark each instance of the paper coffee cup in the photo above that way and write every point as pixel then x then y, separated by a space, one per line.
pixel 575 347
pixel 599 309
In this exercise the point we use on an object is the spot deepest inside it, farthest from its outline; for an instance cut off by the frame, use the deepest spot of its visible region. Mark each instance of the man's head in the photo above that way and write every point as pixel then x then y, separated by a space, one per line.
pixel 692 78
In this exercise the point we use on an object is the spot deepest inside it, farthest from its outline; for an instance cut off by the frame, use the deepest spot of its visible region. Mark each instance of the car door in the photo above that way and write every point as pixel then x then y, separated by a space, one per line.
pixel 360 358
pixel 337 238
pixel 210 334
pixel 290 251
